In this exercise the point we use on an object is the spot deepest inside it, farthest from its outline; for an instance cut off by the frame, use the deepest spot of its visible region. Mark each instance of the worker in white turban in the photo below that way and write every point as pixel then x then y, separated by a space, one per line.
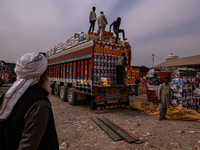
pixel 29 68
pixel 26 117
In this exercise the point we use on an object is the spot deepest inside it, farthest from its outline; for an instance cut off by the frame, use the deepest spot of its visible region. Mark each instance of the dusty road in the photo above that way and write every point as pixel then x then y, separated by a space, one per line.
pixel 76 129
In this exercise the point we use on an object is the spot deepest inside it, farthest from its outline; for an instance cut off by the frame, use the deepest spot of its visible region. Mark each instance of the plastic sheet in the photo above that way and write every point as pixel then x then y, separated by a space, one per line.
pixel 176 113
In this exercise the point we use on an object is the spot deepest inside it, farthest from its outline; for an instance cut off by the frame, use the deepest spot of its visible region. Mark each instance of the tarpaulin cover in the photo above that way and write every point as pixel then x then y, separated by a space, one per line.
pixel 177 113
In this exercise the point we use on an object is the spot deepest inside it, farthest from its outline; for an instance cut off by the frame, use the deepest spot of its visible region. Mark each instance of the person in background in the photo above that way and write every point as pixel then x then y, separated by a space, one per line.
pixel 102 22
pixel 137 82
pixel 116 29
pixel 92 19
pixel 26 118
pixel 120 68
pixel 164 96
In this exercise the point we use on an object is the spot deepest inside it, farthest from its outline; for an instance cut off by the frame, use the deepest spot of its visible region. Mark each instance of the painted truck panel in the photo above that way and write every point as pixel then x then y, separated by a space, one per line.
pixel 84 65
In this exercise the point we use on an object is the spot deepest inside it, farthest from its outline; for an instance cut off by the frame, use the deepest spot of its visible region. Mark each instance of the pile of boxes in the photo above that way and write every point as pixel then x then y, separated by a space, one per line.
pixel 183 93
pixel 80 37
pixel 182 88
pixel 107 37
pixel 152 95
pixel 129 77
pixel 197 98
pixel 105 59
pixel 75 39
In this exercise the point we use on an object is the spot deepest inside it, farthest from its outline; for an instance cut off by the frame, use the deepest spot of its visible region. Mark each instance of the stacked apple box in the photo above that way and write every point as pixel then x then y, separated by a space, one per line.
pixel 105 59
pixel 183 93
pixel 197 98
pixel 152 95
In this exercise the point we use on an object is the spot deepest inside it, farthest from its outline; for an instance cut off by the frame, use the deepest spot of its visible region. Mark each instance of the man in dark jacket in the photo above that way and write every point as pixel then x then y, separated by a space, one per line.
pixel 137 82
pixel 26 118
pixel 120 69
pixel 116 29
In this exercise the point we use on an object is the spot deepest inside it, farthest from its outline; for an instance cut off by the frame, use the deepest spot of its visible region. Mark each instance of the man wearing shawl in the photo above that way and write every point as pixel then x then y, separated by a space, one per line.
pixel 26 118
pixel 164 96
pixel 102 22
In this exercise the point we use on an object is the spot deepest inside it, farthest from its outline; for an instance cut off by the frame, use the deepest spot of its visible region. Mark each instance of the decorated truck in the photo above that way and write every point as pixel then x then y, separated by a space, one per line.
pixel 156 76
pixel 84 68
pixel 5 73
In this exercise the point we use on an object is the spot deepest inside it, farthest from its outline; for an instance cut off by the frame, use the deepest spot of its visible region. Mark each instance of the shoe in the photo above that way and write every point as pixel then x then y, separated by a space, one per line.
pixel 125 39
pixel 165 118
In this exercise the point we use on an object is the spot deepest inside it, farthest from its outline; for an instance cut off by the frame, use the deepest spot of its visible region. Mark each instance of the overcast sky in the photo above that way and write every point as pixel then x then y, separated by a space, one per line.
pixel 157 27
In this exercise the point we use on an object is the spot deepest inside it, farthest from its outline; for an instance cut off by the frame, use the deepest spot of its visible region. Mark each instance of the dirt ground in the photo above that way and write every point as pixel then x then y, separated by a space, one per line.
pixel 76 129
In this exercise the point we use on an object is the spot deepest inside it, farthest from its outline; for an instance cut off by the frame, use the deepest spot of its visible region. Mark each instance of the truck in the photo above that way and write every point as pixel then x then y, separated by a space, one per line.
pixel 84 68
pixel 5 73
pixel 156 76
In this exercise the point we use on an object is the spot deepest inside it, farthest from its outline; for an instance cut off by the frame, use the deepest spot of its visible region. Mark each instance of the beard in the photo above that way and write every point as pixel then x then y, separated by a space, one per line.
pixel 46 84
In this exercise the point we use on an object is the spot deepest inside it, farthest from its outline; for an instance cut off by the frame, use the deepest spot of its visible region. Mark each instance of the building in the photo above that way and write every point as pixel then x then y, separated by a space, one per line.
pixel 174 63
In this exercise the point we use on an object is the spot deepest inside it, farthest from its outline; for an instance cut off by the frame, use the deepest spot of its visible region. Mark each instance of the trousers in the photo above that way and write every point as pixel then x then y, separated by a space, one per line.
pixel 92 24
pixel 117 31
pixel 162 113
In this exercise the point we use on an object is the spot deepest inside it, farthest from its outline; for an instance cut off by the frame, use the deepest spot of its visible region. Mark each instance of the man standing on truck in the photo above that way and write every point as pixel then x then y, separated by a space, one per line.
pixel 102 22
pixel 120 68
pixel 92 19
pixel 26 118
pixel 116 29
pixel 164 96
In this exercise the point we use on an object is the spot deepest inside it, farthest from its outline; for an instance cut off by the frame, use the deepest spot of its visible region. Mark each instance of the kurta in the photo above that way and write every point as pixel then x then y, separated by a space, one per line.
pixel 164 94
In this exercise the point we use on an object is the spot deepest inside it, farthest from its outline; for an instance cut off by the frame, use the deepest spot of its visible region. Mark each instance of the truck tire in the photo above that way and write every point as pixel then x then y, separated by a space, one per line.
pixel 156 82
pixel 72 96
pixel 52 89
pixel 63 92
pixel 56 90
pixel 93 104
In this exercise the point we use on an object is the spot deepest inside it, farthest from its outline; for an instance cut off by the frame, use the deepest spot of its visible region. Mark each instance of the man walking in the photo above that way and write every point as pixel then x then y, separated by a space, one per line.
pixel 92 18
pixel 102 22
pixel 137 82
pixel 26 118
pixel 116 29
pixel 164 95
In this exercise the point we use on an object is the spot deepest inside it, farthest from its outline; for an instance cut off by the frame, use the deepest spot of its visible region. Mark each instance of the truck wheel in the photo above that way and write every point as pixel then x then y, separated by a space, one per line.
pixel 156 82
pixel 72 96
pixel 93 104
pixel 63 93
pixel 56 89
pixel 52 89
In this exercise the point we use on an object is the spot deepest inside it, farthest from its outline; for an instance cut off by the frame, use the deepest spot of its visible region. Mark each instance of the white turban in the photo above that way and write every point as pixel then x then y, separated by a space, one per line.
pixel 29 68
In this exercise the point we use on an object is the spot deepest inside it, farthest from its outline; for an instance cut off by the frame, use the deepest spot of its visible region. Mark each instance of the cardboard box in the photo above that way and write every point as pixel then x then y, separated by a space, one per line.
pixel 177 96
pixel 105 81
